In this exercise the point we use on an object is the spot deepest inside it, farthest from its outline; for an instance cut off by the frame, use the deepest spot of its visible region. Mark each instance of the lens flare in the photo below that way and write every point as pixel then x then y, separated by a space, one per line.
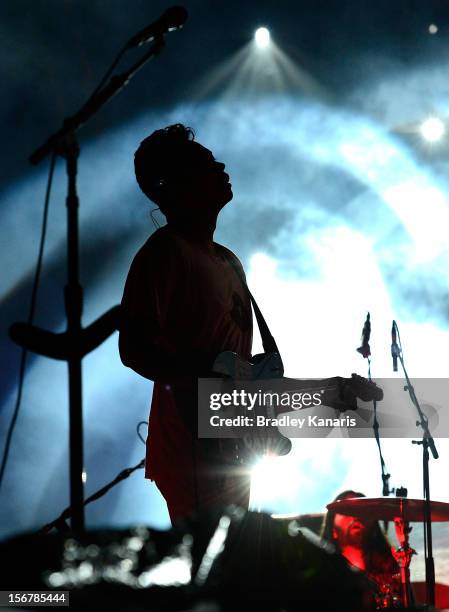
pixel 273 479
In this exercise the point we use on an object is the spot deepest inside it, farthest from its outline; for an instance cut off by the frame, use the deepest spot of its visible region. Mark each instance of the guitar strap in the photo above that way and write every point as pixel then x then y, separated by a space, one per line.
pixel 268 341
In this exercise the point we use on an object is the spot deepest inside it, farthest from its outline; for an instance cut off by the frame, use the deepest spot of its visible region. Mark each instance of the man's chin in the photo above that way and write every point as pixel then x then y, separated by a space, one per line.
pixel 225 198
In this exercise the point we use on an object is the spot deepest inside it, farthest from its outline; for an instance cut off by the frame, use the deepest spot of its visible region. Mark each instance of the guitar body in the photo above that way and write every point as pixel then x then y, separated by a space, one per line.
pixel 262 367
pixel 264 441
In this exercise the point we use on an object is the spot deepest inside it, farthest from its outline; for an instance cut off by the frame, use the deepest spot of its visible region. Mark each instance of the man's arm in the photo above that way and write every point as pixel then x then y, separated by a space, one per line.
pixel 140 351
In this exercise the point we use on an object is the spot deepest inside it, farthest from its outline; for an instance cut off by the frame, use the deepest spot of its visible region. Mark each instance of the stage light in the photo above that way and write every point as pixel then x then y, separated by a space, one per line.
pixel 262 38
pixel 432 129
pixel 433 29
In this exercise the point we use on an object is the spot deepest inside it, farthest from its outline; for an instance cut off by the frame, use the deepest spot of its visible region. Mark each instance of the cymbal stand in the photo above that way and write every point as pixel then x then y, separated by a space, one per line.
pixel 403 554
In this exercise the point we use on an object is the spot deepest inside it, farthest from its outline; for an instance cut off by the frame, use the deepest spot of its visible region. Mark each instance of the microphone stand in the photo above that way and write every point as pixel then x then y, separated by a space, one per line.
pixel 426 442
pixel 60 523
pixel 94 104
pixel 365 351
pixel 72 345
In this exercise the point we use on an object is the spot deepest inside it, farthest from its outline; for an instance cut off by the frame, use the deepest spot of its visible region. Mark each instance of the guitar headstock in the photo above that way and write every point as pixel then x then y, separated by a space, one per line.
pixel 363 388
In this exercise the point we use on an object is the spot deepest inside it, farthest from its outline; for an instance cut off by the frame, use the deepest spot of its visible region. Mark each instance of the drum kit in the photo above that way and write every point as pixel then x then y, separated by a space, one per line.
pixel 402 511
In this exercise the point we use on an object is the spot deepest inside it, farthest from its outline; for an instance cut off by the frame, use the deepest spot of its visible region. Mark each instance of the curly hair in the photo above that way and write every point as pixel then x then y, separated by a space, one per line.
pixel 378 550
pixel 157 159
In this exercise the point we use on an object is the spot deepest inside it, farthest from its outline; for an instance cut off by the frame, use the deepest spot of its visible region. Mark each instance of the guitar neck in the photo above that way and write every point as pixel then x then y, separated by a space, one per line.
pixel 337 391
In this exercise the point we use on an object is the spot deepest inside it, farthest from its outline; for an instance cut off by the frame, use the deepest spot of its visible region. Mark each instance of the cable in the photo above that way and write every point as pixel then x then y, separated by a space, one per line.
pixel 385 475
pixel 155 222
pixel 107 74
pixel 399 342
pixel 138 430
pixel 31 313
pixel 60 523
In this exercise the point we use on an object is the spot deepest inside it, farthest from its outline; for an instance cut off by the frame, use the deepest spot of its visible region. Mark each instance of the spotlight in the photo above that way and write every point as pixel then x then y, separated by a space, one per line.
pixel 433 29
pixel 432 129
pixel 262 38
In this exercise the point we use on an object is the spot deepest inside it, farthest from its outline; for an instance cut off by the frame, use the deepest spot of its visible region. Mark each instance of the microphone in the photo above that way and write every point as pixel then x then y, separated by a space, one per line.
pixel 365 349
pixel 394 347
pixel 173 19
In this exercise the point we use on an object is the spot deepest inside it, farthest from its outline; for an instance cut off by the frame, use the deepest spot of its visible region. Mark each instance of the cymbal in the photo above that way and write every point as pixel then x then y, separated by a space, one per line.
pixel 294 516
pixel 389 508
pixel 441 594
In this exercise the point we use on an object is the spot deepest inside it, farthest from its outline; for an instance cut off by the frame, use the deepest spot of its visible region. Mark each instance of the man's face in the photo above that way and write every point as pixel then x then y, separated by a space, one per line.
pixel 201 182
pixel 350 530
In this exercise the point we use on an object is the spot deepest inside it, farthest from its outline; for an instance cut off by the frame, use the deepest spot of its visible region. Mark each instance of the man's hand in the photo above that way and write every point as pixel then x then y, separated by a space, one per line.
pixel 349 389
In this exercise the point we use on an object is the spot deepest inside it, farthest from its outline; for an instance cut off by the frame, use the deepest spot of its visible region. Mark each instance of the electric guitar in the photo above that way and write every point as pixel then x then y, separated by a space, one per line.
pixel 340 393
